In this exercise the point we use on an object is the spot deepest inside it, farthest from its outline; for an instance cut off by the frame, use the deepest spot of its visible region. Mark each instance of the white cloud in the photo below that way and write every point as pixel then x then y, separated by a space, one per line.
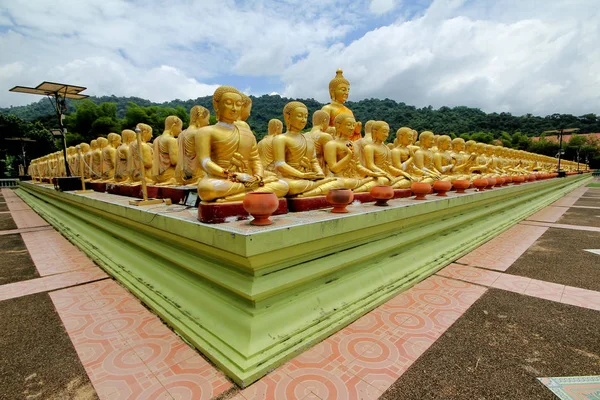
pixel 506 55
pixel 381 6
pixel 541 65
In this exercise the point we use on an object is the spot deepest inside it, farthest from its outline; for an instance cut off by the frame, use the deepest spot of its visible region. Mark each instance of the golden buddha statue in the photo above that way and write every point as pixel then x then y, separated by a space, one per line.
pixel 481 162
pixel 95 159
pixel 343 161
pixel 71 160
pixel 339 89
pixel 423 159
pixel 461 159
pixel 265 146
pixel 245 112
pixel 295 156
pixel 378 158
pixel 166 152
pixel 446 164
pixel 145 166
pixel 188 170
pixel 318 134
pixel 402 156
pixel 86 155
pixel 228 154
pixel 331 131
pixel 109 157
pixel 362 142
pixel 123 158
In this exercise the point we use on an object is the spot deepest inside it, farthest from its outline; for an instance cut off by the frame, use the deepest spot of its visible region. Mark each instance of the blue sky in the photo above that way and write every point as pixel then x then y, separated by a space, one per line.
pixel 520 56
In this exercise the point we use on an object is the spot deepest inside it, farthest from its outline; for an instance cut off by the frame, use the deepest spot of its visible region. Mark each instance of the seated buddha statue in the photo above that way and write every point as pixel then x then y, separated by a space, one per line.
pixel 96 159
pixel 444 163
pixel 402 157
pixel 188 170
pixel 295 156
pixel 109 157
pixel 343 161
pixel 71 160
pixel 461 159
pixel 245 111
pixel 122 158
pixel 362 142
pixel 143 166
pixel 85 156
pixel 481 163
pixel 228 154
pixel 318 134
pixel 423 159
pixel 378 158
pixel 265 146
pixel 339 89
pixel 166 152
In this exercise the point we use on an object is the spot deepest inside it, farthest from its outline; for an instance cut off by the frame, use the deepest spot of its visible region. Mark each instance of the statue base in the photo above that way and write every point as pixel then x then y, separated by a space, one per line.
pixel 216 213
pixel 320 202
pixel 176 194
pixel 97 186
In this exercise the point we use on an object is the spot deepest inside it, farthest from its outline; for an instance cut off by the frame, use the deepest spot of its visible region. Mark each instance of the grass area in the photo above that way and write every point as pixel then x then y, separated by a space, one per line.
pixel 593 185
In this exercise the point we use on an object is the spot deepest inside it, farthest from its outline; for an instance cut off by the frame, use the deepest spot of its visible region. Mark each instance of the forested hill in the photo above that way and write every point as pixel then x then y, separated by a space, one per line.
pixel 445 120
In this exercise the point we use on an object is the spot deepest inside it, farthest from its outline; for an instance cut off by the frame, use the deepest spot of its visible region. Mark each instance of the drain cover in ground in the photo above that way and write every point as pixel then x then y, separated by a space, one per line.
pixel 574 387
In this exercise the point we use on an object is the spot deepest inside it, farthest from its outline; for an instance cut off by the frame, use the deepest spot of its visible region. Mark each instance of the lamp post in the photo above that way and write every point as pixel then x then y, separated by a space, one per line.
pixel 560 138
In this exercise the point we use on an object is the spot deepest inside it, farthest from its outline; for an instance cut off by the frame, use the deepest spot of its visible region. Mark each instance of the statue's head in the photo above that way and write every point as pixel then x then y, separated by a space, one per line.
pixel 114 139
pixel 404 136
pixel 84 147
pixel 471 146
pixel 246 107
pixel 275 127
pixel 320 119
pixel 458 144
pixel 102 142
pixel 145 131
pixel 415 136
pixel 369 127
pixel 426 139
pixel 443 142
pixel 94 144
pixel 227 102
pixel 199 116
pixel 339 87
pixel 331 131
pixel 380 130
pixel 295 115
pixel 480 148
pixel 127 136
pixel 344 125
pixel 173 124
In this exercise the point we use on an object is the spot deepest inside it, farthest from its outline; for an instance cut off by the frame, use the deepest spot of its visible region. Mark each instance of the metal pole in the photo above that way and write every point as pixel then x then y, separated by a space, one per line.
pixel 559 148
pixel 138 133
pixel 62 129
pixel 81 167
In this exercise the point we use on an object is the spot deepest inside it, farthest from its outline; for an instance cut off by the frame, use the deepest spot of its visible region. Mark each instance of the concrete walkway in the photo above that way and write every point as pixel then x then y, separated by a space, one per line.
pixel 395 351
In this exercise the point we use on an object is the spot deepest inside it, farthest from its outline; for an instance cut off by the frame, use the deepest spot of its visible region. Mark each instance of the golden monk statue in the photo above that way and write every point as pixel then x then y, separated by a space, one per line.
pixel 71 160
pixel 188 170
pixel 318 134
pixel 402 156
pixel 378 158
pixel 96 159
pixel 362 142
pixel 166 152
pixel 295 156
pixel 445 163
pixel 265 146
pixel 123 157
pixel 423 159
pixel 343 161
pixel 86 154
pixel 145 167
pixel 109 157
pixel 339 89
pixel 245 112
pixel 481 163
pixel 461 159
pixel 228 154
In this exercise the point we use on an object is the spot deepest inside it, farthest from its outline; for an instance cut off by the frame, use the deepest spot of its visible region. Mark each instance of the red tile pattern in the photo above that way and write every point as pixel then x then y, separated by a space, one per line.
pixel 503 250
pixel 362 360
pixel 581 297
pixel 127 351
pixel 53 254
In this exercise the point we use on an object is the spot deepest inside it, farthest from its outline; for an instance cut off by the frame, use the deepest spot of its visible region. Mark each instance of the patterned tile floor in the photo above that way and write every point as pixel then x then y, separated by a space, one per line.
pixel 129 353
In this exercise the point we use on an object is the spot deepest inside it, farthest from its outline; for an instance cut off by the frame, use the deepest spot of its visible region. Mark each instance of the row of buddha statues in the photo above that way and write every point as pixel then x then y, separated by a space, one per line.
pixel 225 161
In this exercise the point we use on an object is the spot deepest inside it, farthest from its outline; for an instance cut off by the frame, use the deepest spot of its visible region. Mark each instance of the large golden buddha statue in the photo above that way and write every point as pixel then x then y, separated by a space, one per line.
pixel 378 158
pixel 343 161
pixel 295 157
pixel 109 156
pixel 123 157
pixel 318 134
pixel 188 170
pixel 228 154
pixel 423 159
pixel 265 146
pixel 339 89
pixel 145 166
pixel 445 163
pixel 166 152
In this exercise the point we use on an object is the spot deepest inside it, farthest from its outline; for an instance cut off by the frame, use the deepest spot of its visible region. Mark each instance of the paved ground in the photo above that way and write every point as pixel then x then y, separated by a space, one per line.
pixel 525 305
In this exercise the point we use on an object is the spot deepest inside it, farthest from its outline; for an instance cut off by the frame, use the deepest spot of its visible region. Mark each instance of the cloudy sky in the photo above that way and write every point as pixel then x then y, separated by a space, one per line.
pixel 520 56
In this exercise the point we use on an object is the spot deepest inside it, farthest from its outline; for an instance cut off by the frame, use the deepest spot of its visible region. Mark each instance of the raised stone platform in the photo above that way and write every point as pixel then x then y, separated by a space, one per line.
pixel 251 297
